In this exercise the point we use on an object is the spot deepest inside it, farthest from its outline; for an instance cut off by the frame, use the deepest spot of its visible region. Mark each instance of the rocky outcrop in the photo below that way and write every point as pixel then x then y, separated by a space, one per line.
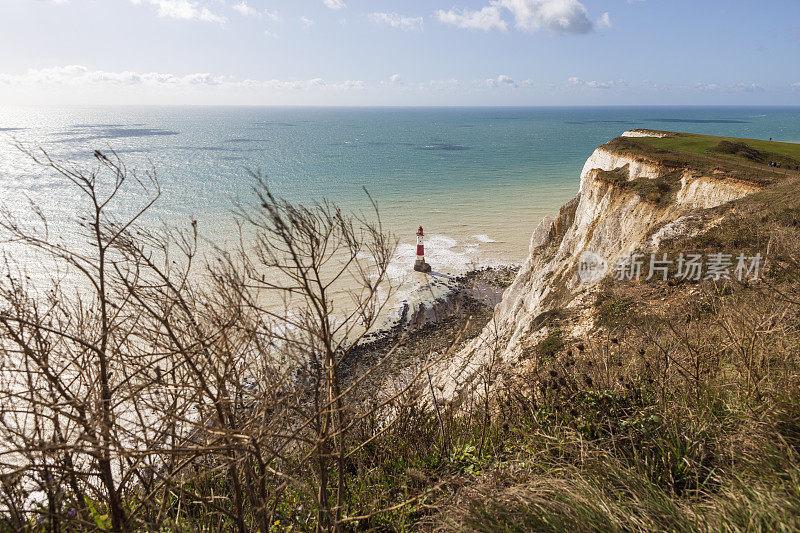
pixel 705 192
pixel 606 218
pixel 604 159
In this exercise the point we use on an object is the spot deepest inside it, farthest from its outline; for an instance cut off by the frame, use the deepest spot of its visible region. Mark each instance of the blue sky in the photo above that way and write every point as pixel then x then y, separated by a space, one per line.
pixel 380 52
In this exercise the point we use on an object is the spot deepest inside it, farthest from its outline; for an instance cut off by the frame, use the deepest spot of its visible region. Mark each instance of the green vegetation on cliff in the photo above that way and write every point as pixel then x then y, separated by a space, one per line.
pixel 707 144
pixel 675 409
pixel 678 410
pixel 660 190
pixel 743 159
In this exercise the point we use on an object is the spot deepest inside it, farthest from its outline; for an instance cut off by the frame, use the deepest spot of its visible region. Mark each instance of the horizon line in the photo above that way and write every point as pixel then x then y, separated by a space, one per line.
pixel 422 106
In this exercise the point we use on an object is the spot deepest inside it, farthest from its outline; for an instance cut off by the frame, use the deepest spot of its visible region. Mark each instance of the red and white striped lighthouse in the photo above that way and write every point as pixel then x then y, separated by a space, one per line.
pixel 420 265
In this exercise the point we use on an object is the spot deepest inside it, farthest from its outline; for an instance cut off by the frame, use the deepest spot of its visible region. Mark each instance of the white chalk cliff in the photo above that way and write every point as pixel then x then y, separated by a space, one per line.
pixel 606 218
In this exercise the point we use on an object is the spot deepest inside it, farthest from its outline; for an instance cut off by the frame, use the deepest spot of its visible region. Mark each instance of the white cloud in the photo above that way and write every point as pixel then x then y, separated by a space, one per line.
pixel 79 75
pixel 306 22
pixel 748 87
pixel 334 4
pixel 270 34
pixel 796 86
pixel 711 87
pixel 397 21
pixel 202 79
pixel 439 85
pixel 485 19
pixel 577 82
pixel 604 21
pixel 702 86
pixel 284 84
pixel 182 9
pixel 54 1
pixel 82 77
pixel 501 81
pixel 312 84
pixel 558 16
pixel 246 10
pixel 395 80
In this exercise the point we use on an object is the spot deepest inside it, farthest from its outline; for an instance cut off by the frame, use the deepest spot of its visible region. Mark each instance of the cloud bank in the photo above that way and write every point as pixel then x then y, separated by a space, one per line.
pixel 502 80
pixel 594 84
pixel 81 76
pixel 556 16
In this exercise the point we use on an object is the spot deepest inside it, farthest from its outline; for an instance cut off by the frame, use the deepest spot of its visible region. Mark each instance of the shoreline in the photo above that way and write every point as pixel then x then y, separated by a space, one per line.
pixel 430 327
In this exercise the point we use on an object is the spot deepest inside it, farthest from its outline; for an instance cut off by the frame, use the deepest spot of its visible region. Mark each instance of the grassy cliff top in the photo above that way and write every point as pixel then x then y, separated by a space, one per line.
pixel 704 144
pixel 746 159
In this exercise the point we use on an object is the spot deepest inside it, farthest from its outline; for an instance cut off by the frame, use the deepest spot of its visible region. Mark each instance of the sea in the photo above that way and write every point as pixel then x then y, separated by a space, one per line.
pixel 478 180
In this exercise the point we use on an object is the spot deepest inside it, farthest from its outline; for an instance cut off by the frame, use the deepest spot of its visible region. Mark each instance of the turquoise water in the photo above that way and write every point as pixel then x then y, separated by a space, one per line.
pixel 478 179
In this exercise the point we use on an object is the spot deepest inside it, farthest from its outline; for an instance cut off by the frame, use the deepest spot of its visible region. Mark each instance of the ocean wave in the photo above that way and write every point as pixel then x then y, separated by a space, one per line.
pixel 447 147
pixel 483 238
pixel 445 255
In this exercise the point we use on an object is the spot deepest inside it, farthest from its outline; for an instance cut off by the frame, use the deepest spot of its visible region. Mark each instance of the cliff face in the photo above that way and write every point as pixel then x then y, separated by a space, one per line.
pixel 609 217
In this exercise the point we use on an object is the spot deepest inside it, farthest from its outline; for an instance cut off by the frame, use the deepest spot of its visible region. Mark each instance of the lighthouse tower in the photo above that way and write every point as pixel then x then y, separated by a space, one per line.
pixel 420 265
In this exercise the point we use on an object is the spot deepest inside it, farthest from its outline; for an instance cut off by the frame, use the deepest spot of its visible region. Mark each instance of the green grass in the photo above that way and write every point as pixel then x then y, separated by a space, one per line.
pixel 551 345
pixel 705 144
pixel 743 159
pixel 612 310
pixel 658 191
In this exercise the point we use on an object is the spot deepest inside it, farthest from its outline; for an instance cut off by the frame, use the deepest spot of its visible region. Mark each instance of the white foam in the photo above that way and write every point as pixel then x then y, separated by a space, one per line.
pixel 483 238
pixel 446 255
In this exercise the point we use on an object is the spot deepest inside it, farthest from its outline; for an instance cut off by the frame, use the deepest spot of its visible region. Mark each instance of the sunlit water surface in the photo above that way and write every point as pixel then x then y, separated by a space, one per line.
pixel 477 179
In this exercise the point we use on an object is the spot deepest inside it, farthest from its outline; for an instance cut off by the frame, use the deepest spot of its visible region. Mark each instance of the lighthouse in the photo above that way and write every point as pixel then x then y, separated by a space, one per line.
pixel 420 265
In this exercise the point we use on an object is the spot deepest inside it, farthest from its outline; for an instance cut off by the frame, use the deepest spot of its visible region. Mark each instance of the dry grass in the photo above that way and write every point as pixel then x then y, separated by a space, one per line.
pixel 679 412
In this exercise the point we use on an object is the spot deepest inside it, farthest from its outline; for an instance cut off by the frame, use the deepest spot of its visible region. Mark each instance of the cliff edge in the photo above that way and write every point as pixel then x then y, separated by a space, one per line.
pixel 635 191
